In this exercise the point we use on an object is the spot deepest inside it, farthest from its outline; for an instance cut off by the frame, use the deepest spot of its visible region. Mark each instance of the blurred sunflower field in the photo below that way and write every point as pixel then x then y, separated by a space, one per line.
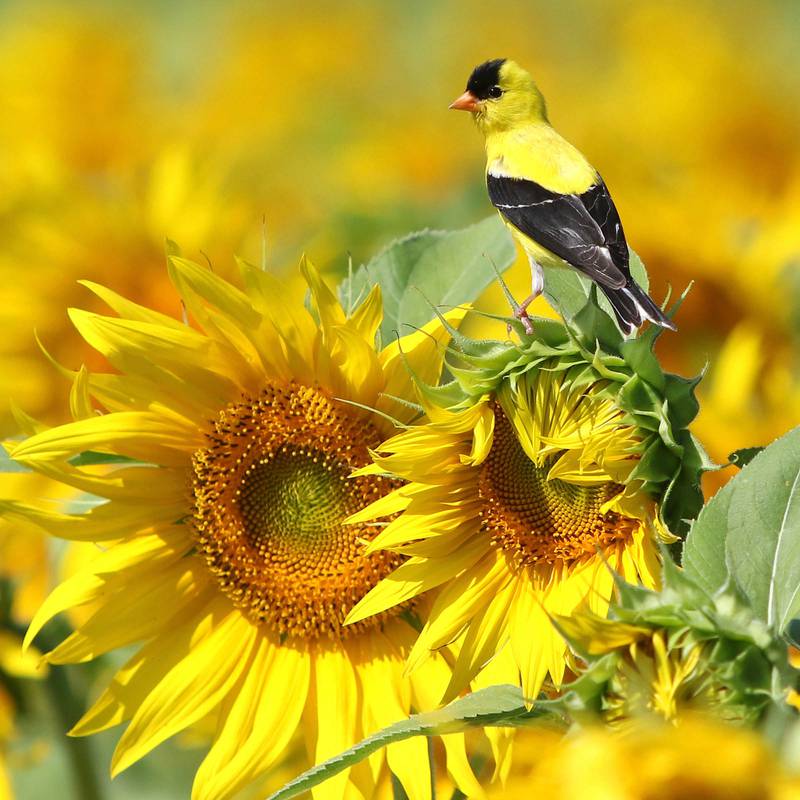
pixel 388 631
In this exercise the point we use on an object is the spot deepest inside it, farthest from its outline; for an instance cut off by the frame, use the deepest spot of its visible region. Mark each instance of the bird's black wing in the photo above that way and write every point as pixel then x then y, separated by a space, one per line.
pixel 583 229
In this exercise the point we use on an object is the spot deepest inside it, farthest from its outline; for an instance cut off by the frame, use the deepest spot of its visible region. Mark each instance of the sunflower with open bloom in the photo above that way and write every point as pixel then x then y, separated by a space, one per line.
pixel 223 548
pixel 520 499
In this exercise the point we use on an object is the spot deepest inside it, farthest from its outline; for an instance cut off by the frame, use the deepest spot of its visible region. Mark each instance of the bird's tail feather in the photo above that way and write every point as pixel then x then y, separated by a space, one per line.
pixel 632 307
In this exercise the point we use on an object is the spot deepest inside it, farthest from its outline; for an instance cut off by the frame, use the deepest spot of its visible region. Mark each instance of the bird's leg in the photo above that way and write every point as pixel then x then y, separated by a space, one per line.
pixel 537 286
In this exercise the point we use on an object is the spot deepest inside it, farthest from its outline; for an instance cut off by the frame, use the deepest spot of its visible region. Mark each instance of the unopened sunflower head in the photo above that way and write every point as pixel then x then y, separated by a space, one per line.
pixel 674 653
pixel 562 369
pixel 223 451
pixel 543 468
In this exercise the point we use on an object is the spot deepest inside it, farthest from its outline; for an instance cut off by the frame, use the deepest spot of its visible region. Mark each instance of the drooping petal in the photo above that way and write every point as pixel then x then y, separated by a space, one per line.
pixel 258 721
pixel 335 704
pixel 124 618
pixel 133 682
pixel 136 434
pixel 113 568
pixel 413 578
pixel 197 684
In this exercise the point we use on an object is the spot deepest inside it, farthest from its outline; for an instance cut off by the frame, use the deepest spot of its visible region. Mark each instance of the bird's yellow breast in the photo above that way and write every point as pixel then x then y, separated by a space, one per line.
pixel 538 153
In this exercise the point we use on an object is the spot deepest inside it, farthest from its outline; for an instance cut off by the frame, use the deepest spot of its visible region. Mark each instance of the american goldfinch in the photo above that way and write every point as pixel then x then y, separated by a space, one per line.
pixel 550 197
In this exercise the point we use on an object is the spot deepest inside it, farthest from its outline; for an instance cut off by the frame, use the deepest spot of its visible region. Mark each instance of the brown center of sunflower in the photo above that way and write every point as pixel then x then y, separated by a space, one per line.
pixel 539 519
pixel 271 493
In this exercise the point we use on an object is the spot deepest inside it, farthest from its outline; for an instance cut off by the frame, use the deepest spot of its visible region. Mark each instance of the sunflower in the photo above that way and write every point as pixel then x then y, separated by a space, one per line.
pixel 701 758
pixel 677 653
pixel 523 503
pixel 224 551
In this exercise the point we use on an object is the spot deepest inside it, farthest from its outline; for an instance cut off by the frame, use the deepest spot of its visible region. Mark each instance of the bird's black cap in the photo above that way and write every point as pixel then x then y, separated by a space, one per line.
pixel 484 76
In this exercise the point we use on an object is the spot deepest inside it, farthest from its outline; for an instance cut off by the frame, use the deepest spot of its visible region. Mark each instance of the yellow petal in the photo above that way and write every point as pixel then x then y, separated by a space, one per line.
pixel 18 662
pixel 133 682
pixel 421 352
pixel 327 306
pixel 414 577
pixel 191 689
pixel 529 627
pixel 136 434
pixel 129 485
pixel 206 284
pixel 460 601
pixel 102 523
pixel 292 327
pixel 335 699
pixel 112 568
pixel 179 359
pixel 366 319
pixel 125 617
pixel 502 669
pixel 485 637
pixel 387 700
pixel 257 723
pixel 429 683
pixel 355 371
pixel 226 314
pixel 80 404
pixel 130 310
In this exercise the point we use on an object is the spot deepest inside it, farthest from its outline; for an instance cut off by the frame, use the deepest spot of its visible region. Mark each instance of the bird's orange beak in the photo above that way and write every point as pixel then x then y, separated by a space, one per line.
pixel 467 102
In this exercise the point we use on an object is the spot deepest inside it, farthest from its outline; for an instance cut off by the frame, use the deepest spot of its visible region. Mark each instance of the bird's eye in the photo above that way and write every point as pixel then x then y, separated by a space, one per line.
pixel 495 92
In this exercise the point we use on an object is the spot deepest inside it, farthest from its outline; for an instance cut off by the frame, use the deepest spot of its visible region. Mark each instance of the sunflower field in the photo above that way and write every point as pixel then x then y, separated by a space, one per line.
pixel 294 501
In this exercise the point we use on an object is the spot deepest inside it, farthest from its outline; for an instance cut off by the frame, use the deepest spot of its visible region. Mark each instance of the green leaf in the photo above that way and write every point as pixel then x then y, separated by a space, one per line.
pixel 742 457
pixel 493 706
pixel 750 530
pixel 704 550
pixel 763 542
pixel 567 291
pixel 89 458
pixel 443 268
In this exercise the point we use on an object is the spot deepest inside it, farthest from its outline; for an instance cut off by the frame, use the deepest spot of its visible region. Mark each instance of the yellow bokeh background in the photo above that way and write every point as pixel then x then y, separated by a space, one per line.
pixel 269 129
pixel 325 127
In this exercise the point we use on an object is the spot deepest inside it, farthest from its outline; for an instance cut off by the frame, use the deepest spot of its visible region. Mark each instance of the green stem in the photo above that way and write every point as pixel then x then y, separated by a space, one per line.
pixel 79 749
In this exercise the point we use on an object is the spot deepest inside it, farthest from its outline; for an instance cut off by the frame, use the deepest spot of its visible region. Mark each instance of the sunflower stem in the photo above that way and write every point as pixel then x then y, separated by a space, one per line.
pixel 79 750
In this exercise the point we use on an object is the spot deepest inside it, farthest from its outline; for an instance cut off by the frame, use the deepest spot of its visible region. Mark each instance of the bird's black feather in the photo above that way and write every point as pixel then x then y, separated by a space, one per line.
pixel 484 77
pixel 582 229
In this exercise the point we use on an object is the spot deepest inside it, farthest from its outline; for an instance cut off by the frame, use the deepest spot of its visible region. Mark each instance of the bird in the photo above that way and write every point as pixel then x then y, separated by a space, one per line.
pixel 552 199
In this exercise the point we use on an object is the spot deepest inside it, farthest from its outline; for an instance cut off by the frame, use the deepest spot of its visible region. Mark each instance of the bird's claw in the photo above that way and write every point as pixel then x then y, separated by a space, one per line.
pixel 522 315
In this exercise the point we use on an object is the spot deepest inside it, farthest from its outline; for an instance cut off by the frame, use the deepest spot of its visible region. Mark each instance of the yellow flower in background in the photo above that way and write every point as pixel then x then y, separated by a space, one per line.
pixel 751 394
pixel 99 102
pixel 13 664
pixel 24 557
pixel 519 507
pixel 659 672
pixel 96 235
pixel 6 731
pixel 699 758
pixel 224 551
